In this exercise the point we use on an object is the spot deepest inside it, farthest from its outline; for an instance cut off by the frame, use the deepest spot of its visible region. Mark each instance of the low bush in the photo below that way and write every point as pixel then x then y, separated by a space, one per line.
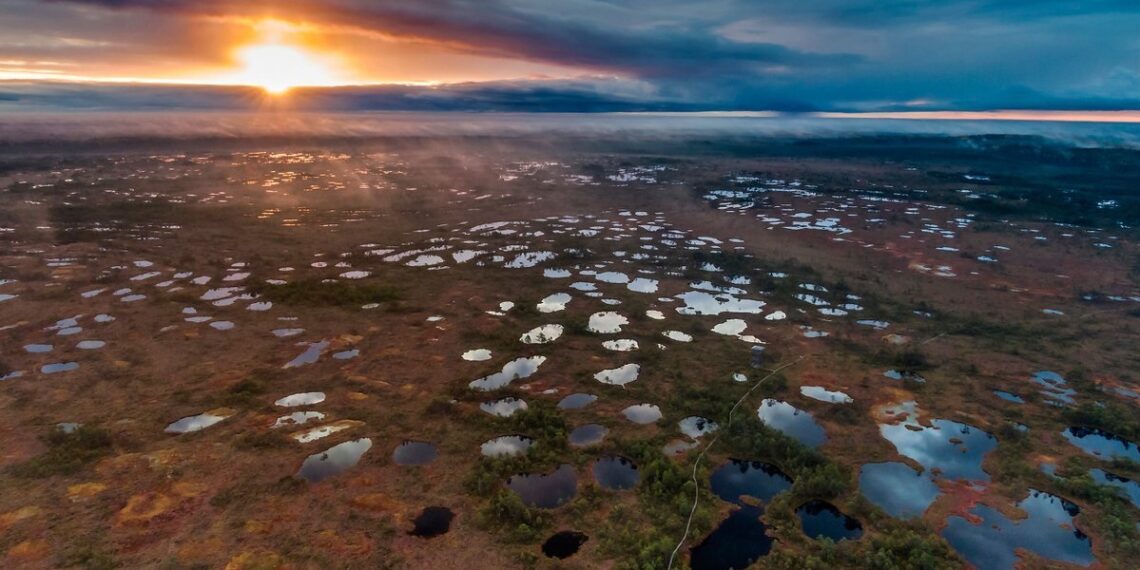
pixel 67 453
pixel 313 292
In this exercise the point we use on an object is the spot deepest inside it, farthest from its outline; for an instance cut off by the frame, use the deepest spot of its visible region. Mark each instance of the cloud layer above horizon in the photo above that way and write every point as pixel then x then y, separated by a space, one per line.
pixel 591 55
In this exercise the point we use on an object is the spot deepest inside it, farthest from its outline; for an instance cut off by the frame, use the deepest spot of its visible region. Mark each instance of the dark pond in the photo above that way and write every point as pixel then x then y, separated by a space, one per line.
pixel 1102 443
pixel 564 544
pixel 334 460
pixel 897 489
pixel 791 421
pixel 414 453
pixel 737 543
pixel 955 450
pixel 587 435
pixel 1130 487
pixel 432 522
pixel 616 473
pixel 545 491
pixel 821 519
pixel 742 538
pixel 738 478
pixel 576 401
pixel 1047 531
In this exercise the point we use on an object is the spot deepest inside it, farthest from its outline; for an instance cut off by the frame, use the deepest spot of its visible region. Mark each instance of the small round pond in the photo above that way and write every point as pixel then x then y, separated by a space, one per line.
pixel 545 491
pixel 564 544
pixel 432 522
pixel 412 453
pixel 587 435
pixel 616 473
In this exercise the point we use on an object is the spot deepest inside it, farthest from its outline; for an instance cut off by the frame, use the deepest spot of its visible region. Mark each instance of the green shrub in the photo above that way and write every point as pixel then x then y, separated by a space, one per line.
pixel 824 481
pixel 1113 519
pixel 1108 416
pixel 517 522
pixel 67 453
pixel 245 394
pixel 905 549
pixel 635 540
pixel 314 292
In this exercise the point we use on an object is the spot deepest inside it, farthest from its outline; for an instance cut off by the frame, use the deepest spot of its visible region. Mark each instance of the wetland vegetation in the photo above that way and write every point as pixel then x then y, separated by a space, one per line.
pixel 870 352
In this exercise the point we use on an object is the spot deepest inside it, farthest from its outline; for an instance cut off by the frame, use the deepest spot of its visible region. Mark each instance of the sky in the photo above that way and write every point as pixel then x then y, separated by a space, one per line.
pixel 572 55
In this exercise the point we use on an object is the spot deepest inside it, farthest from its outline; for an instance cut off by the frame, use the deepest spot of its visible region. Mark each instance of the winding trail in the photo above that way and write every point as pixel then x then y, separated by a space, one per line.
pixel 704 451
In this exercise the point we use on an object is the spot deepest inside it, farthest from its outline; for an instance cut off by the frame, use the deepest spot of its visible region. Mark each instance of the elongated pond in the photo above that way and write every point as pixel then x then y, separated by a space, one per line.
pixel 334 460
pixel 742 538
pixel 991 542
pixel 1102 444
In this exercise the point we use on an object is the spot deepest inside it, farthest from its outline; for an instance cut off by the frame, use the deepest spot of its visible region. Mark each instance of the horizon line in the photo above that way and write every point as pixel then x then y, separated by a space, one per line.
pixel 1020 115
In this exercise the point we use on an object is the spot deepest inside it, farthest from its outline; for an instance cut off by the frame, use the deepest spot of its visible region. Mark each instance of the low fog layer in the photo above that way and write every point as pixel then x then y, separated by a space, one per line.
pixel 41 128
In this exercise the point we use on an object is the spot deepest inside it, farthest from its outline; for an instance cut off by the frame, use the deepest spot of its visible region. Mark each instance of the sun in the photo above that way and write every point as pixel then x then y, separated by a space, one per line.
pixel 276 68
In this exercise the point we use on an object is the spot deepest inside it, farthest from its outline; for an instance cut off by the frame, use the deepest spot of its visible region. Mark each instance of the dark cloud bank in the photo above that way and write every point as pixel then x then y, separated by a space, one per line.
pixel 672 55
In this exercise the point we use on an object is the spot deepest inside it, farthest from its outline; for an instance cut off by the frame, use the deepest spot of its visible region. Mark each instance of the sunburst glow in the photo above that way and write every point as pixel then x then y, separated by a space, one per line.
pixel 278 68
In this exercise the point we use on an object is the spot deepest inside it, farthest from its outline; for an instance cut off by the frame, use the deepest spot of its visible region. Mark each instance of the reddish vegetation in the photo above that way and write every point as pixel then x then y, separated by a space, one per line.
pixel 226 497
